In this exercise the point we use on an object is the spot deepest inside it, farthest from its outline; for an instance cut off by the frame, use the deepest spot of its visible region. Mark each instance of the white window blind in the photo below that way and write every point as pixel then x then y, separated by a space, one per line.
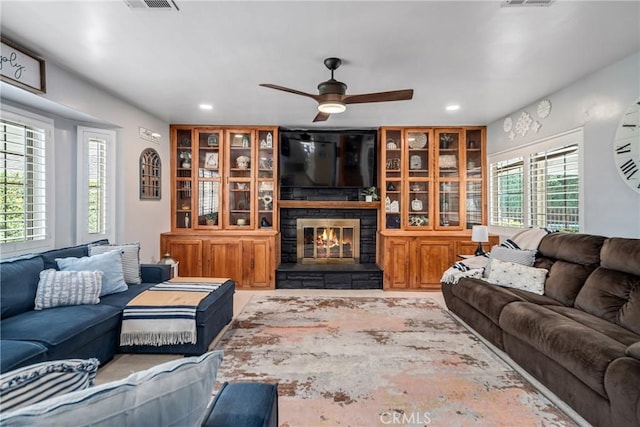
pixel 96 185
pixel 23 195
pixel 538 185
pixel 554 178
pixel 507 197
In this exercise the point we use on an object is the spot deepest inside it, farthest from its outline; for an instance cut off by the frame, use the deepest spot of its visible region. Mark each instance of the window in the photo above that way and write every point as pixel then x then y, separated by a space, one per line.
pixel 26 214
pixel 538 185
pixel 96 185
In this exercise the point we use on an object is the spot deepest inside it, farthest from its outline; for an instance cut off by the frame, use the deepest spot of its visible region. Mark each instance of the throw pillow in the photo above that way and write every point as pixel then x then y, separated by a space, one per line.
pixel 175 393
pixel 59 288
pixel 519 256
pixel 36 383
pixel 110 263
pixel 130 259
pixel 518 276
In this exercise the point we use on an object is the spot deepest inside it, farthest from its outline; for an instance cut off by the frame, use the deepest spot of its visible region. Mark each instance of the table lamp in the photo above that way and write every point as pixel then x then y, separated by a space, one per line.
pixel 480 233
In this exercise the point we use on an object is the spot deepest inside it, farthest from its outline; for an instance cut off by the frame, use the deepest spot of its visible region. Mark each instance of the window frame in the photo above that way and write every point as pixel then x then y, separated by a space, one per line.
pixel 29 119
pixel 527 151
pixel 84 134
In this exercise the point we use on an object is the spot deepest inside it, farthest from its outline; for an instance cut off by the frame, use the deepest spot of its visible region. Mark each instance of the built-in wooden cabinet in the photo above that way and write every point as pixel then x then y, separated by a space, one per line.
pixel 432 186
pixel 224 203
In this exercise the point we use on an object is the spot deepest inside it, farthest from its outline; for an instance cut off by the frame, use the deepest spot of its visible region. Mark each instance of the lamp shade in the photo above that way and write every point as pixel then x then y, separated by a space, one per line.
pixel 331 107
pixel 480 233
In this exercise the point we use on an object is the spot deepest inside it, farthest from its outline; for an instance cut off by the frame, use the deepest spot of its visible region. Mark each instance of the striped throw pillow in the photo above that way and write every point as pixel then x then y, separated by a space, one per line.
pixel 59 288
pixel 130 259
pixel 518 256
pixel 36 383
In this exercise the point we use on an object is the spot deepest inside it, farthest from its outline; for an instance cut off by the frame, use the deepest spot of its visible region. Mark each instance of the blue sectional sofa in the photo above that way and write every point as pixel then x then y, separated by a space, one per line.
pixel 29 336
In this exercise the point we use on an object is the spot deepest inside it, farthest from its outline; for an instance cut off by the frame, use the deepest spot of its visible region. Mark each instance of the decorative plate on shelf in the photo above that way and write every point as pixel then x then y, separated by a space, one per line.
pixel 417 140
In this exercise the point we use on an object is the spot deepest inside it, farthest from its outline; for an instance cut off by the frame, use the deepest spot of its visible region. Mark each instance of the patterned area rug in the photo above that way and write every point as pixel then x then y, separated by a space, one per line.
pixel 360 361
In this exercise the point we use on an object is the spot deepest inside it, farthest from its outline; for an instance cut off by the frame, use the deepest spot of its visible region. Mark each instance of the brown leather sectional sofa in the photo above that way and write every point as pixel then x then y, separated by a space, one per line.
pixel 581 339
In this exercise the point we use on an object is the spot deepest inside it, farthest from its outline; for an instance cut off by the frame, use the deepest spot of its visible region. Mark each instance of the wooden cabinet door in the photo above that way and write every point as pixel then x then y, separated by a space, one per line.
pixel 397 254
pixel 188 252
pixel 224 259
pixel 257 259
pixel 430 260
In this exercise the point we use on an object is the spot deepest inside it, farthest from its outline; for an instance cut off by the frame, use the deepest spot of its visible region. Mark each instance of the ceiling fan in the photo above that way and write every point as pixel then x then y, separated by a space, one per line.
pixel 332 98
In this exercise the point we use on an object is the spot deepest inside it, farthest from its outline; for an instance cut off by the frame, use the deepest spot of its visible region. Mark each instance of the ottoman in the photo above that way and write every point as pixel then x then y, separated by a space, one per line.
pixel 213 314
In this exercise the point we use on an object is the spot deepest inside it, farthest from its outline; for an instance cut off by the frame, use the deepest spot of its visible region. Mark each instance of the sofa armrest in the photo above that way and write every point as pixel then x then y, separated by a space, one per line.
pixel 633 350
pixel 155 273
pixel 231 407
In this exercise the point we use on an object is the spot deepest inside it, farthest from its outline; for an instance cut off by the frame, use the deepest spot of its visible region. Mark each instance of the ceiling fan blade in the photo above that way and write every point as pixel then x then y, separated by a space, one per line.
pixel 286 89
pixel 394 95
pixel 321 117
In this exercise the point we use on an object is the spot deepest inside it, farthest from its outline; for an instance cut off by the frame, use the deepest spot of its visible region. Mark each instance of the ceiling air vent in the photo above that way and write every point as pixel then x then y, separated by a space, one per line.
pixel 152 4
pixel 522 3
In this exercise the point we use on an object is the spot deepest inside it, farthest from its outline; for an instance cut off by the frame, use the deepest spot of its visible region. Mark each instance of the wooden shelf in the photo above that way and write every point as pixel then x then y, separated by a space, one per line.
pixel 333 204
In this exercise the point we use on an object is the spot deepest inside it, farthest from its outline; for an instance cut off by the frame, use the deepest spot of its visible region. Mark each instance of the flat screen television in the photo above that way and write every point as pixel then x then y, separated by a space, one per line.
pixel 331 158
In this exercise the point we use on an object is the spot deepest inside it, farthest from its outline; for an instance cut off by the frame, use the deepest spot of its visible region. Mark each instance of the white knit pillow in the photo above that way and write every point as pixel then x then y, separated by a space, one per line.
pixel 59 288
pixel 518 276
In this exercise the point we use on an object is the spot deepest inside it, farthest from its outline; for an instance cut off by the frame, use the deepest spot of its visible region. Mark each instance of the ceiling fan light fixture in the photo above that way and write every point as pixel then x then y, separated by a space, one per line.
pixel 332 107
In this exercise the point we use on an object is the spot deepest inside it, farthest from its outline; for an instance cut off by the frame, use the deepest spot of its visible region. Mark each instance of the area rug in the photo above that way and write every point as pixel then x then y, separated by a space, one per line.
pixel 361 361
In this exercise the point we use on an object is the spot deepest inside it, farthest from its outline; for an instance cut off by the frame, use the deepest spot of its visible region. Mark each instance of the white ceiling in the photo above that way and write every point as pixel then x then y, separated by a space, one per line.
pixel 489 59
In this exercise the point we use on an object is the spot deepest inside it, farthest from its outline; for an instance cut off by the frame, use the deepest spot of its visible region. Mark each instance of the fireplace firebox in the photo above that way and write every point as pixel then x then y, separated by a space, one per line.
pixel 328 241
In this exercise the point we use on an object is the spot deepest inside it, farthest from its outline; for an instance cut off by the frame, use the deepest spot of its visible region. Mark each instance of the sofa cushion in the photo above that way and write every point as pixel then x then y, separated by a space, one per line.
pixel 110 263
pixel 634 350
pixel 490 299
pixel 565 279
pixel 576 248
pixel 62 329
pixel 518 276
pixel 612 295
pixel 581 350
pixel 60 288
pixel 42 381
pixel 621 255
pixel 175 393
pixel 18 284
pixel 16 354
pixel 49 257
pixel 130 259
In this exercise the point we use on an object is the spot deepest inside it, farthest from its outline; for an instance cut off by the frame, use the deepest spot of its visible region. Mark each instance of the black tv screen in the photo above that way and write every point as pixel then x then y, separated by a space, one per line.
pixel 336 158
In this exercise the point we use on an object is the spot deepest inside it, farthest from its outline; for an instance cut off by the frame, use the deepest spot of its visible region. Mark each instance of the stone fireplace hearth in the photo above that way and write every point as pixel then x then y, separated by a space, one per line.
pixel 358 272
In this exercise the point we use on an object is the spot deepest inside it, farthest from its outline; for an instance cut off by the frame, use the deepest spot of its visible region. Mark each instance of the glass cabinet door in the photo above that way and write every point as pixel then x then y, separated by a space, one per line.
pixel 240 167
pixel 391 182
pixel 209 166
pixel 419 147
pixel 183 190
pixel 266 164
pixel 474 178
pixel 449 178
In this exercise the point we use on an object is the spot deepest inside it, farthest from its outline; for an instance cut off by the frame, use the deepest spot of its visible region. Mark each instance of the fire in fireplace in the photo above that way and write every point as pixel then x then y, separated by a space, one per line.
pixel 326 241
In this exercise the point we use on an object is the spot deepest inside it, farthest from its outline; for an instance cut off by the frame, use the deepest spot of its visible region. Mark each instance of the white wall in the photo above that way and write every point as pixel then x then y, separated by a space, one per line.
pixel 596 103
pixel 138 220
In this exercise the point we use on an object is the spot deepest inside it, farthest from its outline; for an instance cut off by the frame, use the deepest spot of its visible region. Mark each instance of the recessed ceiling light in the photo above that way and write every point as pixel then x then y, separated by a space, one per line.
pixel 206 107
pixel 452 107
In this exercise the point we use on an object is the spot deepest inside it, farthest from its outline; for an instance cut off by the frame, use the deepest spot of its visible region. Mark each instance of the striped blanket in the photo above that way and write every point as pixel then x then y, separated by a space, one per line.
pixel 474 267
pixel 164 314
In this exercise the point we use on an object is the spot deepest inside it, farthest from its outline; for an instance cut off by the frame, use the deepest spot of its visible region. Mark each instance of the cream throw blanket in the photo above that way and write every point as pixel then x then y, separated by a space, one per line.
pixel 164 314
pixel 474 266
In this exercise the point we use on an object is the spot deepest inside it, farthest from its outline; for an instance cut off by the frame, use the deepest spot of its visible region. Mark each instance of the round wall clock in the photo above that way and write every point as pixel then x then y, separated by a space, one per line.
pixel 507 124
pixel 544 108
pixel 626 148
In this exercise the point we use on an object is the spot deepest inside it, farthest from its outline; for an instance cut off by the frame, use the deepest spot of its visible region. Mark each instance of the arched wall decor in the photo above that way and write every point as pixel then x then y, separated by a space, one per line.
pixel 150 175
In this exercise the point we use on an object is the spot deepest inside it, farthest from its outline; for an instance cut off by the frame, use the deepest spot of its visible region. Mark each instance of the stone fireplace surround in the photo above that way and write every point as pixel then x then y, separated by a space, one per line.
pixel 293 275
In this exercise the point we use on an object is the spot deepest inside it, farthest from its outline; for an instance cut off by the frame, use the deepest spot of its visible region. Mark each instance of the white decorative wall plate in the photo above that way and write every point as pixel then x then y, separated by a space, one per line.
pixel 544 108
pixel 507 124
